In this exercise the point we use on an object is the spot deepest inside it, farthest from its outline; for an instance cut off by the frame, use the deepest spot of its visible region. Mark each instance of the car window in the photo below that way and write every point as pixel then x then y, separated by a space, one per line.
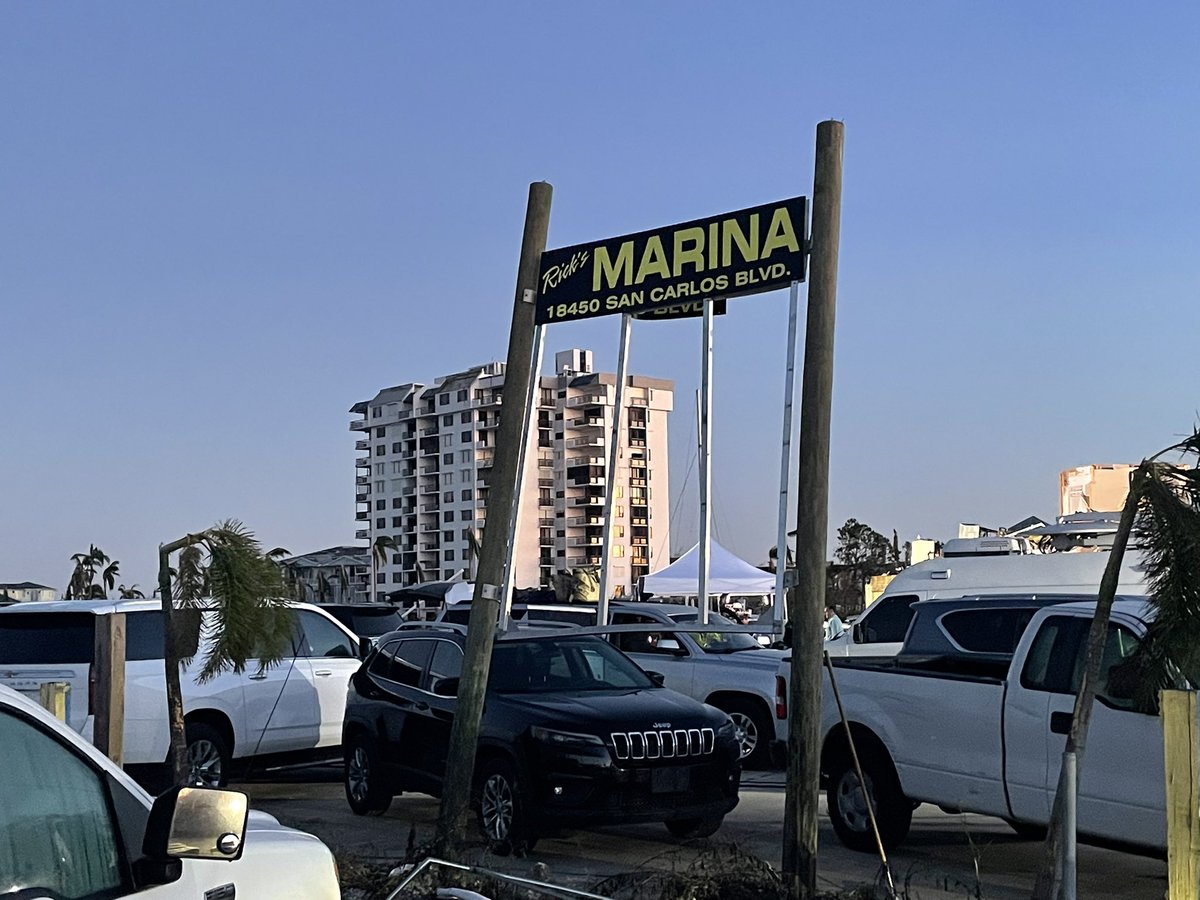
pixel 57 835
pixel 1058 652
pixel 324 638
pixel 47 638
pixel 646 642
pixel 562 664
pixel 446 663
pixel 887 621
pixel 372 623
pixel 991 630
pixel 408 661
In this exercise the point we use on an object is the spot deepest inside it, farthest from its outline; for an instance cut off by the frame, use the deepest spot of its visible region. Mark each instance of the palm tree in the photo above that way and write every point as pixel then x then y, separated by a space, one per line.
pixel 225 569
pixel 1162 513
pixel 83 584
pixel 379 552
pixel 133 592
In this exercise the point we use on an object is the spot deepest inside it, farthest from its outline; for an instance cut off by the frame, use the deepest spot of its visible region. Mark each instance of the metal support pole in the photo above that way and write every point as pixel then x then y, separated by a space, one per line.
pixel 705 459
pixel 785 465
pixel 514 518
pixel 610 473
pixel 1070 807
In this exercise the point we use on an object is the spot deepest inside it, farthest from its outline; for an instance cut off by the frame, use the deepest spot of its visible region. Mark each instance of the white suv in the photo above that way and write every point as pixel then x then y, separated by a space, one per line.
pixel 72 824
pixel 290 712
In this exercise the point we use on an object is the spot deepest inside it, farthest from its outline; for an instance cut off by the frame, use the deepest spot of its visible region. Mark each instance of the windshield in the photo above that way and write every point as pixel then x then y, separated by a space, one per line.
pixel 372 623
pixel 717 641
pixel 563 664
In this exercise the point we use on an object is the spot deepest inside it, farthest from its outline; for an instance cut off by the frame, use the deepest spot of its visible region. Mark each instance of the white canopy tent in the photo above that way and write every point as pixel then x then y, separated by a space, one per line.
pixel 727 574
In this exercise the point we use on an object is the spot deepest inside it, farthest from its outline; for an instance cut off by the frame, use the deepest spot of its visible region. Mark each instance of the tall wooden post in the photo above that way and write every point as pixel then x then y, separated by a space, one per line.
pixel 108 726
pixel 1181 750
pixel 806 600
pixel 485 606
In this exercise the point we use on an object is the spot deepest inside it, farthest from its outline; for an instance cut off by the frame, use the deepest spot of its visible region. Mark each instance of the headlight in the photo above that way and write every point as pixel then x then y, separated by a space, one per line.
pixel 564 739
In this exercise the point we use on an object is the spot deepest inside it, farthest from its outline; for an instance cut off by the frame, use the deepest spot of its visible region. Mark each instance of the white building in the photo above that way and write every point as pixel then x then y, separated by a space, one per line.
pixel 430 449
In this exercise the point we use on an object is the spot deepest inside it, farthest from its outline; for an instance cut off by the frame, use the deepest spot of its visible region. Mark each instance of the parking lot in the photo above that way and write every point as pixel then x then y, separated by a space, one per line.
pixel 941 857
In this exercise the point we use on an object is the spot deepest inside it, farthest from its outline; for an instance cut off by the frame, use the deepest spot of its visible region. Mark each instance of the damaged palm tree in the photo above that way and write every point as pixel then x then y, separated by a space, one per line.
pixel 227 588
pixel 1162 514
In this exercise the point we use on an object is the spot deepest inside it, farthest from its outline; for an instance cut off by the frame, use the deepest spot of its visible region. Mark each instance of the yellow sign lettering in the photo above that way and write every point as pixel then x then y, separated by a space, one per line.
pixel 654 260
pixel 619 271
pixel 780 234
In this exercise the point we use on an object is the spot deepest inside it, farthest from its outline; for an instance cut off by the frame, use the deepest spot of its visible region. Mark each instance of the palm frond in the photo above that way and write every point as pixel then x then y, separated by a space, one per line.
pixel 251 619
pixel 1168 530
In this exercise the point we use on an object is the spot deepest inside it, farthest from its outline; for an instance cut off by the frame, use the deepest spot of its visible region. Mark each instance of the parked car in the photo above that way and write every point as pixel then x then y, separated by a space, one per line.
pixel 367 620
pixel 569 613
pixel 290 712
pixel 72 824
pixel 730 670
pixel 573 734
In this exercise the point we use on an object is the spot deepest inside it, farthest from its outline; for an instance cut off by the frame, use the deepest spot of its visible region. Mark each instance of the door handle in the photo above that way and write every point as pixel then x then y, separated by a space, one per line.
pixel 422 705
pixel 1060 722
pixel 260 676
pixel 322 673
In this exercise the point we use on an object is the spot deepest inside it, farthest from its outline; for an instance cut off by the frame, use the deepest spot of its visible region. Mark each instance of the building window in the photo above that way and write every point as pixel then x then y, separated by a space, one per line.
pixel 467 494
pixel 465 417
pixel 448 419
pixel 380 450
pixel 380 432
pixel 447 536
pixel 395 446
pixel 464 456
pixel 448 478
pixel 397 577
pixel 443 399
pixel 379 468
pixel 462 395
pixel 376 412
pixel 397 502
pixel 467 515
pixel 448 555
pixel 448 458
pixel 447 440
pixel 465 476
pixel 381 504
pixel 447 496
pixel 618 550
pixel 466 437
pixel 397 467
pixel 397 522
pixel 381 522
pixel 448 516
pixel 379 487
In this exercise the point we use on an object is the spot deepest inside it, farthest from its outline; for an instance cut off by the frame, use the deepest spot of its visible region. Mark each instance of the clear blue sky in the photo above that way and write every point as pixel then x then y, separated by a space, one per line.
pixel 223 224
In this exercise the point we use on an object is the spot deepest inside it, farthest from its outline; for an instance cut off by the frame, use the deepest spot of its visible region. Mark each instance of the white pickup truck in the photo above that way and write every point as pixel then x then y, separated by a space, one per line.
pixel 981 726
pixel 72 824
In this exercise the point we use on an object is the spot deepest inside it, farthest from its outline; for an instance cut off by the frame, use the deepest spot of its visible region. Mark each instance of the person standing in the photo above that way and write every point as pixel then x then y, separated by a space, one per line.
pixel 833 625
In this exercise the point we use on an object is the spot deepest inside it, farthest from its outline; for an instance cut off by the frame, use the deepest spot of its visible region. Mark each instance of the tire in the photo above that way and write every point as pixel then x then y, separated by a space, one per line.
pixel 848 810
pixel 754 731
pixel 691 829
pixel 502 815
pixel 367 789
pixel 208 755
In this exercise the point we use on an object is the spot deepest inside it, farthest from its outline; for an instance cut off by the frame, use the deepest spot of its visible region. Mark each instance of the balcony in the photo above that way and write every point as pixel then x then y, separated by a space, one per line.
pixel 362 462
pixel 546 522
pixel 363 515
pixel 363 534
pixel 430 507
pixel 362 498
pixel 589 441
pixel 585 541
pixel 586 423
pixel 483 445
pixel 362 445
pixel 362 479
pixel 428 528
pixel 585 461
pixel 427 470
pixel 578 521
pixel 359 425
pixel 408 492
pixel 590 500
pixel 426 432
pixel 591 399
pixel 637 482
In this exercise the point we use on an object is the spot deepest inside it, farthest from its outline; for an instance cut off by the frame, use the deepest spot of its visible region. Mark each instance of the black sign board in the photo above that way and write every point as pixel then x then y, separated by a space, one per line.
pixel 745 252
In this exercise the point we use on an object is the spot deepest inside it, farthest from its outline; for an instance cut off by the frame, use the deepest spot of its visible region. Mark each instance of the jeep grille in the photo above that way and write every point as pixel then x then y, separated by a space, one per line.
pixel 663 744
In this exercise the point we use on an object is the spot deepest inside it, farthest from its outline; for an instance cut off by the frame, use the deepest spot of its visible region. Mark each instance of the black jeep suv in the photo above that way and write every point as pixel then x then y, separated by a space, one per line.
pixel 573 734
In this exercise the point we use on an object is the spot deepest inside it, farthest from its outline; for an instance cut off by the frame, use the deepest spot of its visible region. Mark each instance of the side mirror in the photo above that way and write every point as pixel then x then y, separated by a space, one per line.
pixel 657 677
pixel 364 647
pixel 196 823
pixel 671 645
pixel 447 687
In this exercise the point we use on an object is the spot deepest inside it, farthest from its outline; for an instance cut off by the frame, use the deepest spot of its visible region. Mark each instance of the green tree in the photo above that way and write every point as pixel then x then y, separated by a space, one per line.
pixel 864 552
pixel 83 584
pixel 224 572
pixel 379 552
pixel 1162 514
pixel 133 592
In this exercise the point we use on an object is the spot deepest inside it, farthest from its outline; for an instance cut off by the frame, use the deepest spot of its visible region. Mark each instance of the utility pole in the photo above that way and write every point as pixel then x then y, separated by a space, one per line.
pixel 485 606
pixel 806 600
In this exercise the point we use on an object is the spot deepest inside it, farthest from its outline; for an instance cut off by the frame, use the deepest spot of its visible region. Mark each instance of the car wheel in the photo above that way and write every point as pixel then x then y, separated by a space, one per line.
pixel 694 828
pixel 502 811
pixel 754 731
pixel 367 790
pixel 207 755
pixel 847 802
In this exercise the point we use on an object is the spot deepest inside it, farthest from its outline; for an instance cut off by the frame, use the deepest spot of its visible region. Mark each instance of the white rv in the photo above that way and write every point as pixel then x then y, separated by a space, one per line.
pixel 880 630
